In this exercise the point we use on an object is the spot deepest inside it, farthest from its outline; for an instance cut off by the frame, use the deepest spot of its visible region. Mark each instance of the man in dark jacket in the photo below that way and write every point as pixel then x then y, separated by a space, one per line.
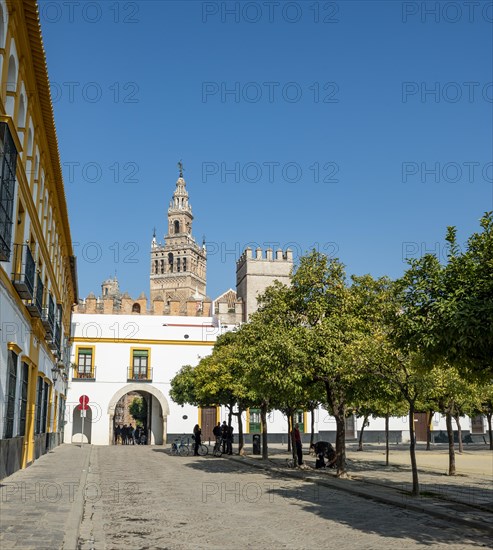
pixel 297 441
pixel 229 441
pixel 224 435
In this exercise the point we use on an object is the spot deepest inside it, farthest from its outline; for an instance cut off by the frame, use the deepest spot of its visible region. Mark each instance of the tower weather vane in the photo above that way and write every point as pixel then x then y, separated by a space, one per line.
pixel 180 167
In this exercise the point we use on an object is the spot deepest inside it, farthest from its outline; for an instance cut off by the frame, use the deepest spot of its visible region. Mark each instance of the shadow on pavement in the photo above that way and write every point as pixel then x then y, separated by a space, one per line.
pixel 358 513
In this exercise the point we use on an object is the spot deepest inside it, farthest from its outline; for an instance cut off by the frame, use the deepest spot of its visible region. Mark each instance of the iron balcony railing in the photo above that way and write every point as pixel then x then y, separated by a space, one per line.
pixel 24 271
pixel 58 337
pixel 48 317
pixel 35 306
pixel 84 373
pixel 139 374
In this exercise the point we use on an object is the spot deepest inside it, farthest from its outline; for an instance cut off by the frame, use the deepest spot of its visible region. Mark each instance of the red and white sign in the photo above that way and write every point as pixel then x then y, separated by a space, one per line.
pixel 83 400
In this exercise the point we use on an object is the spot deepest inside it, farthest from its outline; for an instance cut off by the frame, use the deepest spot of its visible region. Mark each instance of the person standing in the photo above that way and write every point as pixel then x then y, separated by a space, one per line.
pixel 216 432
pixel 197 434
pixel 229 441
pixel 224 435
pixel 297 441
pixel 118 431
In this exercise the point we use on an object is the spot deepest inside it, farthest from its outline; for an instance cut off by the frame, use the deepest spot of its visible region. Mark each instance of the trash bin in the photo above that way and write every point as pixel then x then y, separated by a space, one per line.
pixel 257 449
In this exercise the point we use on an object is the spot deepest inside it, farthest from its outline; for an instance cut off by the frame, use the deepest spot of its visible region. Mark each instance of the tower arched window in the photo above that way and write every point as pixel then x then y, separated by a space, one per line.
pixel 170 262
pixel 178 265
pixel 177 227
pixel 136 308
pixel 184 264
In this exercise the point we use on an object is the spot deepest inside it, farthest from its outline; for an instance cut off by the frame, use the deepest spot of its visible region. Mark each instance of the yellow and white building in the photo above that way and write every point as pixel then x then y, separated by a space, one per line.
pixel 38 284
pixel 115 355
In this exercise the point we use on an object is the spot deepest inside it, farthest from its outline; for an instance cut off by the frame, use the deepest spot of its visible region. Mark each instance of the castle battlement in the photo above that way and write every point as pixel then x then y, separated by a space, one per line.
pixel 256 270
pixel 267 256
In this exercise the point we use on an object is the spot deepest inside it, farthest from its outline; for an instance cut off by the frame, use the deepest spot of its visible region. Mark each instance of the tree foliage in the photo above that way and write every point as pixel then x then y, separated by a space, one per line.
pixel 361 345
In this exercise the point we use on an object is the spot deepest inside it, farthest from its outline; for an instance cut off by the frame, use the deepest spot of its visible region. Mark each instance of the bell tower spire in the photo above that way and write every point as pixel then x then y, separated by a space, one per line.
pixel 178 269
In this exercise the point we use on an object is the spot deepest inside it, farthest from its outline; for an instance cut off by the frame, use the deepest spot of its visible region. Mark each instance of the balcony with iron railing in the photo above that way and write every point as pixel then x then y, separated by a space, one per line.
pixel 84 374
pixel 139 374
pixel 48 317
pixel 35 306
pixel 58 338
pixel 24 271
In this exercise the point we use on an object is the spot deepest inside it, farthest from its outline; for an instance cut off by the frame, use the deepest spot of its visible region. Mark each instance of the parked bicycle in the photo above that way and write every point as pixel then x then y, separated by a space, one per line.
pixel 203 449
pixel 218 445
pixel 180 446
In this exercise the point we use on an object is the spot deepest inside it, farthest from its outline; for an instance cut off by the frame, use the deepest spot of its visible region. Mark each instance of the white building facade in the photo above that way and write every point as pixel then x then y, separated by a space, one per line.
pixel 114 355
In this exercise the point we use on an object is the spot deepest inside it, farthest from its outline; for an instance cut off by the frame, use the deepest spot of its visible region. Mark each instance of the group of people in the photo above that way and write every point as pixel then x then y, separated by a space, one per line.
pixel 223 434
pixel 224 437
pixel 128 435
pixel 322 450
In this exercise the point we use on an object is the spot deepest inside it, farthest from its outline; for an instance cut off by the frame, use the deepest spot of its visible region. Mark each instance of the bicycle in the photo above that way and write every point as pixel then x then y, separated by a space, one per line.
pixel 180 447
pixel 203 449
pixel 217 451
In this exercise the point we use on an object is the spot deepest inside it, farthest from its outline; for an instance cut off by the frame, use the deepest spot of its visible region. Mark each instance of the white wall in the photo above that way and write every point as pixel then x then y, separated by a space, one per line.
pixel 169 351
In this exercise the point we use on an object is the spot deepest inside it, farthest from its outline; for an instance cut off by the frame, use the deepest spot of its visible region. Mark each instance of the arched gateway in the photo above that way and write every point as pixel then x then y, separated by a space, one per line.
pixel 158 411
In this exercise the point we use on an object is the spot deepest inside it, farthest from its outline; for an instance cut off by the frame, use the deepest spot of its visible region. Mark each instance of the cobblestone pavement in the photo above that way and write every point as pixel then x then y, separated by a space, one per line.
pixel 39 506
pixel 143 498
pixel 472 486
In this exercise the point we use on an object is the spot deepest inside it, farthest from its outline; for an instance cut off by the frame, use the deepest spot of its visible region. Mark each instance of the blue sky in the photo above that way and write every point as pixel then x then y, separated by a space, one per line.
pixel 360 128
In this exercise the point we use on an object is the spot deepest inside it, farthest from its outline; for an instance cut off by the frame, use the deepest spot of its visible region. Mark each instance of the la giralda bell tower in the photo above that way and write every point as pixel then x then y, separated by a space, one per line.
pixel 178 268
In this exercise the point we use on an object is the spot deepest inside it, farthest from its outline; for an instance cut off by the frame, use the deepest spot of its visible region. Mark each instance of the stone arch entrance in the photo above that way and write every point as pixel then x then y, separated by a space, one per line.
pixel 158 411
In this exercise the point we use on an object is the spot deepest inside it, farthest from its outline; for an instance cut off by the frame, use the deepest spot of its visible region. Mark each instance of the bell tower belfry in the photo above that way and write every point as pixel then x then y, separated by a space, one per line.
pixel 178 268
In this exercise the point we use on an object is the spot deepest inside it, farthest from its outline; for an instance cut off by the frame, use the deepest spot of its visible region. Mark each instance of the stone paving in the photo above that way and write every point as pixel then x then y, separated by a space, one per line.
pixel 142 498
pixel 465 498
pixel 472 486
pixel 39 506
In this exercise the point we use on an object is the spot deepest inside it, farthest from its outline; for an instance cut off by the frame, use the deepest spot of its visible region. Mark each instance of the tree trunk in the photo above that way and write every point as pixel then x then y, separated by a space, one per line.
pixel 241 438
pixel 293 441
pixel 459 433
pixel 428 430
pixel 412 452
pixel 490 431
pixel 312 427
pixel 341 443
pixel 451 449
pixel 338 409
pixel 290 447
pixel 386 439
pixel 360 442
pixel 263 420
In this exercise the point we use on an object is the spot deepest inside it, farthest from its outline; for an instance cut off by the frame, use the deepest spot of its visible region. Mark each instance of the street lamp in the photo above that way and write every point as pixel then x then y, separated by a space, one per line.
pixel 56 370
